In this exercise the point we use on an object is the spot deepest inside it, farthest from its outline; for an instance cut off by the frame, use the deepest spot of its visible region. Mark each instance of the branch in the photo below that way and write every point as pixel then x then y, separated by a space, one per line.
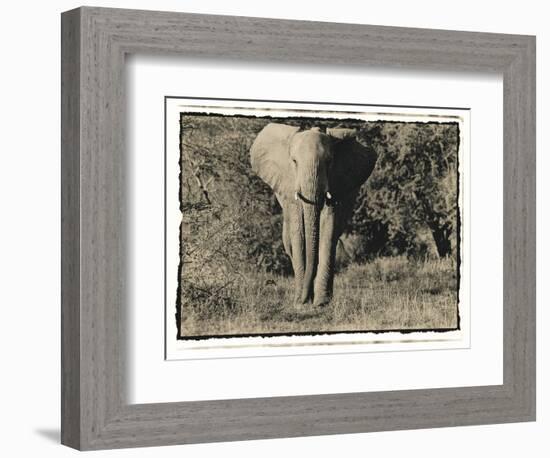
pixel 202 187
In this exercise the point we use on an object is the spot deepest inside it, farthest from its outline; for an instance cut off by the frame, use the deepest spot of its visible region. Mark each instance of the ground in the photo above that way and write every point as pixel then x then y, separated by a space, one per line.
pixel 387 293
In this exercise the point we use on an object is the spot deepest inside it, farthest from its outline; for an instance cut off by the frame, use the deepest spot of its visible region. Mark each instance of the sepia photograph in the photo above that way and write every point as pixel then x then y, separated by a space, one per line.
pixel 309 221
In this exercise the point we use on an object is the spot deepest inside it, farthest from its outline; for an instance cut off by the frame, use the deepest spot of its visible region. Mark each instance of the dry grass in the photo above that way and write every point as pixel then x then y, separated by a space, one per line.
pixel 387 293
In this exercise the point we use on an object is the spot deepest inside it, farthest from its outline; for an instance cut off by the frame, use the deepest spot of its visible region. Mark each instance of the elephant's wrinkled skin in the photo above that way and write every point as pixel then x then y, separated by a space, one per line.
pixel 316 178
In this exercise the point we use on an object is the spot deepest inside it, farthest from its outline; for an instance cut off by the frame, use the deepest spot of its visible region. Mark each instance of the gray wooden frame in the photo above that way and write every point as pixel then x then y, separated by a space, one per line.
pixel 95 414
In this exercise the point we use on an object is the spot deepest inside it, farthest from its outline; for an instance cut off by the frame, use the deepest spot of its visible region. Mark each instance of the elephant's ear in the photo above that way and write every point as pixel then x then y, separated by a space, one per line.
pixel 352 162
pixel 270 159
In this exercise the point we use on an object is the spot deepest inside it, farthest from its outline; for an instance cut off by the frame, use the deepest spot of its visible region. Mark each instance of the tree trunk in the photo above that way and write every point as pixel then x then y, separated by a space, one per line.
pixel 442 239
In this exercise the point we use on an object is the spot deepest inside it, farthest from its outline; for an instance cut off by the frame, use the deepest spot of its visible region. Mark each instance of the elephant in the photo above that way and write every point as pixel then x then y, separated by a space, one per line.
pixel 316 177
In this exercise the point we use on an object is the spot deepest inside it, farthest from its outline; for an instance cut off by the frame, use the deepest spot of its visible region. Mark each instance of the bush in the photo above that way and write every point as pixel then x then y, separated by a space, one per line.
pixel 232 222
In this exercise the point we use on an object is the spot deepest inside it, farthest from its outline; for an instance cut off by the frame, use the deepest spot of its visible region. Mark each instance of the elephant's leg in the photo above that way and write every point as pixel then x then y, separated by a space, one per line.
pixel 287 243
pixel 327 253
pixel 297 247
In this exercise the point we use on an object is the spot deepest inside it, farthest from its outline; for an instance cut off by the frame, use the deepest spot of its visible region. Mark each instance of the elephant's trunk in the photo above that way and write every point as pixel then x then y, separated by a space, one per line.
pixel 327 251
pixel 311 229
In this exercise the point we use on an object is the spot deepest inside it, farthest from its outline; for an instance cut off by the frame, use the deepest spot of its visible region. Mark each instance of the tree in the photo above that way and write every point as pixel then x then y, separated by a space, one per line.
pixel 413 189
pixel 414 185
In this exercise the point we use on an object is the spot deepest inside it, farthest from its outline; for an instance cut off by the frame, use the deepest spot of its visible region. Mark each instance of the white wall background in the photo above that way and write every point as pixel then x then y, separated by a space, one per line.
pixel 29 227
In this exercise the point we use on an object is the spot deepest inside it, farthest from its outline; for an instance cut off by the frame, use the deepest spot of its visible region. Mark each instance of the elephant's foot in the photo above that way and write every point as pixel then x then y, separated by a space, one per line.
pixel 305 297
pixel 321 301
pixel 300 301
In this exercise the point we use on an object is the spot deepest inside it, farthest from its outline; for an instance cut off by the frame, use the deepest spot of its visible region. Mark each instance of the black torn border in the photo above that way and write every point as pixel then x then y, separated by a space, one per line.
pixel 178 304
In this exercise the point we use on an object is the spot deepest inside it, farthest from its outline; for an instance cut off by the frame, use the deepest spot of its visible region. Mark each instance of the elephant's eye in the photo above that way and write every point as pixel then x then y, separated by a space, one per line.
pixel 294 161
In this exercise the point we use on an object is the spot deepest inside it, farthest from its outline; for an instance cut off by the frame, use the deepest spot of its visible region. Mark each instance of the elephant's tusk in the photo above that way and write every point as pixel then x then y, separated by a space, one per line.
pixel 296 195
pixel 329 196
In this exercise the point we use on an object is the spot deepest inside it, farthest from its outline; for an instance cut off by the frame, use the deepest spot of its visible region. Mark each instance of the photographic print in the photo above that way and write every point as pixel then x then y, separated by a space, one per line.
pixel 302 224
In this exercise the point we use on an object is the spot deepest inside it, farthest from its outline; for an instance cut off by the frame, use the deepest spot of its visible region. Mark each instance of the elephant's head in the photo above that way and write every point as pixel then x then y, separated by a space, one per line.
pixel 315 175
